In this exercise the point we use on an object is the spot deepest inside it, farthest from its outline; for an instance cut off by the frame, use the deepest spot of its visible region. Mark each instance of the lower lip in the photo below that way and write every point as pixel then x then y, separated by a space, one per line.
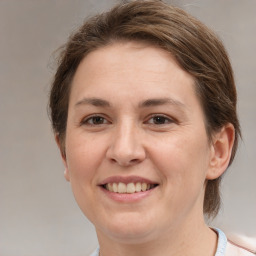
pixel 126 197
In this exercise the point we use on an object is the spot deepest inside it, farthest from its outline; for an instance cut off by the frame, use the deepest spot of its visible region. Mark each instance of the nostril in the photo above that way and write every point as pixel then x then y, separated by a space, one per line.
pixel 134 160
pixel 113 160
pixel 125 162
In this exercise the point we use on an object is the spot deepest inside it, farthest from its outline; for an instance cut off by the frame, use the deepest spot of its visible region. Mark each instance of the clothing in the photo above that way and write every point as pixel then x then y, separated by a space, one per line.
pixel 228 248
pixel 96 252
pixel 224 248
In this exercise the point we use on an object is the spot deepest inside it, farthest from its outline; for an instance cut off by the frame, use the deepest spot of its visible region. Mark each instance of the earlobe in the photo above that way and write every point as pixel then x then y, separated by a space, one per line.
pixel 63 156
pixel 66 174
pixel 221 149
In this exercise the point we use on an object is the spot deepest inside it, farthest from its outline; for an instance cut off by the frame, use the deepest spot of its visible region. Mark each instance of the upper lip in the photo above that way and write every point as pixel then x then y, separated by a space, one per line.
pixel 126 180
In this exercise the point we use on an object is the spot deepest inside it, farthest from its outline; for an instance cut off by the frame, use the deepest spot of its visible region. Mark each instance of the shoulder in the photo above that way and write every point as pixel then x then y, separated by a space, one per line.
pixel 240 247
pixel 234 245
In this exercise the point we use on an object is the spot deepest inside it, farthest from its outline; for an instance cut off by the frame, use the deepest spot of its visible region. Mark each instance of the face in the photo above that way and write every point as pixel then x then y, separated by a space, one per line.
pixel 137 153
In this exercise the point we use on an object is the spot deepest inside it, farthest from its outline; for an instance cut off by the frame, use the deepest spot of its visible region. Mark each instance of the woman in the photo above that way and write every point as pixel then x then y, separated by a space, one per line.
pixel 143 107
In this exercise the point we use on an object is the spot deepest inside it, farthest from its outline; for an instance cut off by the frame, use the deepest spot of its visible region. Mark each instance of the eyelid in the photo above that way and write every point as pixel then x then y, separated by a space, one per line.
pixel 170 119
pixel 85 120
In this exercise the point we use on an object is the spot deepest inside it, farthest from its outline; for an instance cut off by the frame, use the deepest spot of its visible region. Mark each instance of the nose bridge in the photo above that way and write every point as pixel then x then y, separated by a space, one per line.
pixel 126 145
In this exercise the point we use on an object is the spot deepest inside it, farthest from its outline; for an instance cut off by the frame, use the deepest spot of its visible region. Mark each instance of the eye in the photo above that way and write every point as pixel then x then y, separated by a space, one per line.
pixel 94 120
pixel 159 120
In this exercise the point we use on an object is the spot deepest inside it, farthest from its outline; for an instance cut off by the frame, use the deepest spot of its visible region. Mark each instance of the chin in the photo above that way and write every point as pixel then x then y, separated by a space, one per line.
pixel 129 229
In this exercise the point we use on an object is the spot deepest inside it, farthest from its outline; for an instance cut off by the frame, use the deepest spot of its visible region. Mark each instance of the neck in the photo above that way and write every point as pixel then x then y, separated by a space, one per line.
pixel 197 240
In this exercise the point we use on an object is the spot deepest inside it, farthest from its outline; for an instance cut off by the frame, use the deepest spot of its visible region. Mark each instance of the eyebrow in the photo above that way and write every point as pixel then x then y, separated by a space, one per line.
pixel 161 101
pixel 98 102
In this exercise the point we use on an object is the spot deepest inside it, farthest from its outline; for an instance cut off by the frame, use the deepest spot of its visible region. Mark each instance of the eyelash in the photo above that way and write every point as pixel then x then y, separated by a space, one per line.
pixel 167 120
pixel 87 120
pixel 162 118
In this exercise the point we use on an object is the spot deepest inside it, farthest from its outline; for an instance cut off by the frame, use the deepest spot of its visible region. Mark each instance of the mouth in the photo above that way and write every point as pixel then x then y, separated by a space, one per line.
pixel 130 188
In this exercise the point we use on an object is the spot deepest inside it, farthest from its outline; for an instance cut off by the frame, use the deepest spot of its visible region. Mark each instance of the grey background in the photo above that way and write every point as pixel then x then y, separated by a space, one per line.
pixel 38 215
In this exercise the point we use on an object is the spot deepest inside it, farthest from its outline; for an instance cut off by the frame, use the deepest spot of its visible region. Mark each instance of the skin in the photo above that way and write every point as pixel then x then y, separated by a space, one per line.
pixel 129 138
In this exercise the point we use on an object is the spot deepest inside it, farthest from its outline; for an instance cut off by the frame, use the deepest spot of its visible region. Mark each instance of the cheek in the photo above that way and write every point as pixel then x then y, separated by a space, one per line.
pixel 182 165
pixel 182 160
pixel 84 155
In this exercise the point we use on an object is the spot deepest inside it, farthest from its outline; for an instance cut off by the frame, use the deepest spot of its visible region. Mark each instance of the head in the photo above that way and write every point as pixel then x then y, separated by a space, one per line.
pixel 195 48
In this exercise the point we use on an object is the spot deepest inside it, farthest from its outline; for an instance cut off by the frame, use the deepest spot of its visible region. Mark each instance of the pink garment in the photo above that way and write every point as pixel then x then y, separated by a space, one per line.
pixel 240 246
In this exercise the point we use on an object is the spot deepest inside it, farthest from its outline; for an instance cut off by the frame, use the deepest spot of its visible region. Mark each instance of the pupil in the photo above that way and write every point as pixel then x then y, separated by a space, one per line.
pixel 159 120
pixel 97 120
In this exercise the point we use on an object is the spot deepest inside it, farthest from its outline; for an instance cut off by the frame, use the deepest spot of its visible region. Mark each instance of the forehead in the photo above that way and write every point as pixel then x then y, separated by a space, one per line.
pixel 137 64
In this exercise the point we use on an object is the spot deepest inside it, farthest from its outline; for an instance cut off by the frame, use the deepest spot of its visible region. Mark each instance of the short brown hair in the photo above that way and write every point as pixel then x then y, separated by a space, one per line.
pixel 196 48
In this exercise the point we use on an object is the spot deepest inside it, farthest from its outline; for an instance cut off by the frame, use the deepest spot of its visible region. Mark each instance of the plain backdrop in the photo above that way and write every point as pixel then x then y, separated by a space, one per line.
pixel 38 215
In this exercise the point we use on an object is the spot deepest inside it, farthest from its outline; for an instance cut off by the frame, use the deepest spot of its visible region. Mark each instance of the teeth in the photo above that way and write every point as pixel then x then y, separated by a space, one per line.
pixel 115 187
pixel 138 187
pixel 110 187
pixel 121 187
pixel 128 188
pixel 144 186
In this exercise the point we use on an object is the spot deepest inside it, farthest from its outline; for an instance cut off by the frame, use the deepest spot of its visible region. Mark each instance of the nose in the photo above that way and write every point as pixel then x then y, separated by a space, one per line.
pixel 126 147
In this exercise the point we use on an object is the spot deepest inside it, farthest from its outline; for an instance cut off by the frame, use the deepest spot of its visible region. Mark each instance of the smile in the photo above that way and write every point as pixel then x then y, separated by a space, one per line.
pixel 129 188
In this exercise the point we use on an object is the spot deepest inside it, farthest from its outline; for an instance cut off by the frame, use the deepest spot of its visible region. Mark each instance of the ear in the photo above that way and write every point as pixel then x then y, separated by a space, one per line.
pixel 221 149
pixel 63 156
